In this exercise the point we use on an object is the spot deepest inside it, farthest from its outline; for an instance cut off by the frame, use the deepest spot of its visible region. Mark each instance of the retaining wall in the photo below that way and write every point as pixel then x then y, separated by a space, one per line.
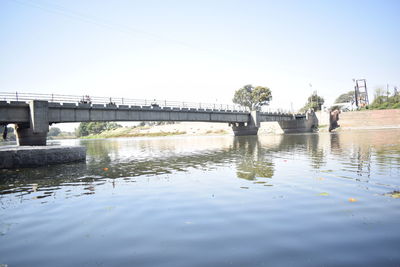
pixel 388 118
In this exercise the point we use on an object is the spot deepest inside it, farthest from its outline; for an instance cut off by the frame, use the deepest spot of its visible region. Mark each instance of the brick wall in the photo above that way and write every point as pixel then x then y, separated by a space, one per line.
pixel 370 118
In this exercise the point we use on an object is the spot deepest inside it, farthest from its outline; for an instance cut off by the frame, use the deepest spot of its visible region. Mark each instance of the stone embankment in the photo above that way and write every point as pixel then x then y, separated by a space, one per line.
pixel 33 156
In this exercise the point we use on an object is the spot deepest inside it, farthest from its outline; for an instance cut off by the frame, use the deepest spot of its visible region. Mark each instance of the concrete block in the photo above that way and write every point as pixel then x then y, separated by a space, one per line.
pixel 98 106
pixel 54 115
pixel 183 116
pixel 109 115
pixel 174 116
pixel 164 116
pixel 82 115
pixel 39 116
pixel 154 116
pixel 199 117
pixel 68 105
pixel 54 105
pixel 134 115
pixel 83 105
pixel 33 156
pixel 20 103
pixel 122 115
pixel 111 106
pixel 14 114
pixel 67 115
pixel 96 115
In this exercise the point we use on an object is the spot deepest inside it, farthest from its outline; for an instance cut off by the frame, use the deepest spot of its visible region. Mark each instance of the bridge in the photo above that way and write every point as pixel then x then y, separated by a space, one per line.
pixel 33 113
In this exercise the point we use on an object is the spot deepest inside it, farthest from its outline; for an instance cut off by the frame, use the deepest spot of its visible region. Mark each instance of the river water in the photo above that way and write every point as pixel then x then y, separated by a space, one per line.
pixel 293 200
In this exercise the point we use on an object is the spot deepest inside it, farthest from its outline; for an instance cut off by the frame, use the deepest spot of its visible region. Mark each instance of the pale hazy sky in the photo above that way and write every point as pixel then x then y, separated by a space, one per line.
pixel 198 50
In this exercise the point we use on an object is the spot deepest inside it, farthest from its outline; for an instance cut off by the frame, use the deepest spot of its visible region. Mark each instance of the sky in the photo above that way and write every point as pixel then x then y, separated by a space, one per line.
pixel 199 51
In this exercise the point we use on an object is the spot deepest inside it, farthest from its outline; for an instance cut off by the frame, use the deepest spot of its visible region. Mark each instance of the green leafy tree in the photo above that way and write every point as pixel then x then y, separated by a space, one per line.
pixel 346 98
pixel 252 97
pixel 54 131
pixel 88 128
pixel 314 102
pixel 383 100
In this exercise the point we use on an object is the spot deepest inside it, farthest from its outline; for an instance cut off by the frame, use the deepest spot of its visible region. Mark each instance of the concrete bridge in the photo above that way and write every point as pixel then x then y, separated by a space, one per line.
pixel 32 117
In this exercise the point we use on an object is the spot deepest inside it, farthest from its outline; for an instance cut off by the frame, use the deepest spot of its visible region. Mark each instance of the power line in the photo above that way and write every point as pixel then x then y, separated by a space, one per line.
pixel 100 22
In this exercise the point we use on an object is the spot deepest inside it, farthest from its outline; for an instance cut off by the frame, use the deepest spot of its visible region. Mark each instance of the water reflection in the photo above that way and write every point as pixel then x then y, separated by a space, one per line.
pixel 169 201
pixel 252 158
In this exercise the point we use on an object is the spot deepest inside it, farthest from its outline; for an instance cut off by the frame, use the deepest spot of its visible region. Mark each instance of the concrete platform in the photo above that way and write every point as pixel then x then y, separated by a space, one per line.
pixel 34 156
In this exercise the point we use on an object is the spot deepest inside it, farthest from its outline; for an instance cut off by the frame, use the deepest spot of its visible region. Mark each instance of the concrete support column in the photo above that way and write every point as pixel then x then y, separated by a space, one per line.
pixel 250 128
pixel 26 136
pixel 34 133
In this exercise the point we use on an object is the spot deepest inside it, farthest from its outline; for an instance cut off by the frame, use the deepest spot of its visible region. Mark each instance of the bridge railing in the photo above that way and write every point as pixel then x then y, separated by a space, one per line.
pixel 24 97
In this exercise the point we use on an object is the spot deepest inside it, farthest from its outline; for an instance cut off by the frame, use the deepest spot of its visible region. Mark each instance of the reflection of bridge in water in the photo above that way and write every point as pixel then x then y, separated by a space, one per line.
pixel 333 156
pixel 253 158
pixel 33 113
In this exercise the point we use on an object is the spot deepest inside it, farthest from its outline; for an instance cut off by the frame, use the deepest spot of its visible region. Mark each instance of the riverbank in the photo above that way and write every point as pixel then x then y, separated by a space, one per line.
pixel 189 128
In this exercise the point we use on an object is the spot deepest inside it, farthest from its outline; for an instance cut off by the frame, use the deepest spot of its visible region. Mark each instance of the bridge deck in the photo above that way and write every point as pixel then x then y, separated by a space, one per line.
pixel 18 112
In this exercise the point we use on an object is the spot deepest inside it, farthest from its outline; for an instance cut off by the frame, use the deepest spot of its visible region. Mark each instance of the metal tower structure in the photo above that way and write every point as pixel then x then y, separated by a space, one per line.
pixel 361 93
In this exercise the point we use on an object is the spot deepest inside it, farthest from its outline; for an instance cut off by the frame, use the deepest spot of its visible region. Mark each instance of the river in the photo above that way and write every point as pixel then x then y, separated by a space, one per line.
pixel 283 200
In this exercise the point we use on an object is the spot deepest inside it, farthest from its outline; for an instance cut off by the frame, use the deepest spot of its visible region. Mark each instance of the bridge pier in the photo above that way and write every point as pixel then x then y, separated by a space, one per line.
pixel 240 129
pixel 27 137
pixel 249 128
pixel 34 133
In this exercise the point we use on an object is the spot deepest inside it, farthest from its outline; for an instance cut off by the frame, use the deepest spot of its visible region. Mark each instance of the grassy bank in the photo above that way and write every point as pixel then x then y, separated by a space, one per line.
pixel 131 132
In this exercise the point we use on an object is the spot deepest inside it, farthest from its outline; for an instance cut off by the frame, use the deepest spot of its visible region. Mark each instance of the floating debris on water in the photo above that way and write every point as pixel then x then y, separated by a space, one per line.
pixel 394 194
